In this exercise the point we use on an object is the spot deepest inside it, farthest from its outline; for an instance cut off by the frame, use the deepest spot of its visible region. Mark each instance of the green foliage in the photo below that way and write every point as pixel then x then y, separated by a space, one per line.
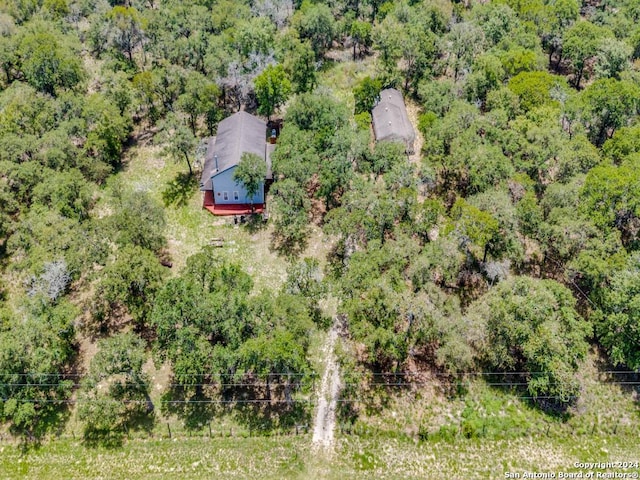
pixel 518 60
pixel 315 23
pixel 34 353
pixel 49 64
pixel 200 100
pixel 624 142
pixel 363 121
pixel 272 89
pixel 68 193
pixel 535 89
pixel 407 47
pixel 115 394
pixel 610 198
pixel 386 155
pixel 609 104
pixel 305 280
pixel 506 244
pixel 291 222
pixel 180 142
pixel 317 140
pixel 390 321
pixel 531 326
pixel 470 224
pixel 137 220
pixel 202 318
pixel 529 214
pixel 126 29
pixel 276 352
pixel 300 65
pixel 488 74
pixel 107 130
pixel 44 235
pixel 360 33
pixel 368 212
pixel 579 43
pixel 498 21
pixel 209 328
pixel 618 316
pixel 440 262
pixel 366 93
pixel 250 172
pixel 463 42
pixel 130 282
pixel 577 156
pixel 321 115
pixel 437 96
pixel 613 57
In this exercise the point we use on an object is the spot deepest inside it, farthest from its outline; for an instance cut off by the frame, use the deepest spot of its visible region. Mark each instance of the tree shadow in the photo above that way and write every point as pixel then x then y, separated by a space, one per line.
pixel 255 223
pixel 267 411
pixel 179 190
pixel 108 438
pixel 195 409
pixel 287 246
pixel 52 421
pixel 141 421
pixel 265 418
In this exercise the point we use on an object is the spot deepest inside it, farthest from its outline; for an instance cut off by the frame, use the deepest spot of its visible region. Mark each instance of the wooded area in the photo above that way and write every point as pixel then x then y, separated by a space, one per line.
pixel 509 243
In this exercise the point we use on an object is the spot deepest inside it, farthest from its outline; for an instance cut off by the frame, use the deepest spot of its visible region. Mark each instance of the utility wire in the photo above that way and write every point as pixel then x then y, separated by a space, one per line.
pixel 299 374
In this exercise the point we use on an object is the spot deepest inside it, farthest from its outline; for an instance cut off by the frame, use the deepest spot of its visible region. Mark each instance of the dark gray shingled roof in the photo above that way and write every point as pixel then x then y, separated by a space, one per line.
pixel 238 133
pixel 390 119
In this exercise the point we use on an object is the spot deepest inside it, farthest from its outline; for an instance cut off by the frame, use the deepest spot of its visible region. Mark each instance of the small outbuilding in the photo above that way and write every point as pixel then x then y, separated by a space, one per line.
pixel 237 134
pixel 391 122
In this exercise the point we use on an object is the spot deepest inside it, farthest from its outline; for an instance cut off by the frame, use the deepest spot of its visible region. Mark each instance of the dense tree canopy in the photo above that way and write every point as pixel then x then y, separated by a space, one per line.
pixel 528 325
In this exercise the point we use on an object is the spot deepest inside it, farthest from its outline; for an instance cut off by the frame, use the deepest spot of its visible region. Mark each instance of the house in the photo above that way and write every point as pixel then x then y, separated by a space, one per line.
pixel 390 120
pixel 237 134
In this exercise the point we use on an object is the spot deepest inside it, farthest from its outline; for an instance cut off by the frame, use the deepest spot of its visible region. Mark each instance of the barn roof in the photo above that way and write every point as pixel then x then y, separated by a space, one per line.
pixel 390 119
pixel 238 133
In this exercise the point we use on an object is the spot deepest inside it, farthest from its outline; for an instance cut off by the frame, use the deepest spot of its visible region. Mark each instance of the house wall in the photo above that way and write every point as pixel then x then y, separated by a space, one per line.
pixel 224 183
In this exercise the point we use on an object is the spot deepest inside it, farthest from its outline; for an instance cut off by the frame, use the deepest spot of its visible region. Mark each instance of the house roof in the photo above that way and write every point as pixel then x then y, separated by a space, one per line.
pixel 205 179
pixel 390 119
pixel 237 134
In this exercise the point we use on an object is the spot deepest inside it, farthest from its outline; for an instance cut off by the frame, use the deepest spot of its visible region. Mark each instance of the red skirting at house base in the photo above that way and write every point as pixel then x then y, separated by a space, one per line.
pixel 239 209
pixel 242 209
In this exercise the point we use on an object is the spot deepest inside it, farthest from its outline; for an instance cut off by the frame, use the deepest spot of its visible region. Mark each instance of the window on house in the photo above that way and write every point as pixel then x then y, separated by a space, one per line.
pixel 236 196
pixel 225 195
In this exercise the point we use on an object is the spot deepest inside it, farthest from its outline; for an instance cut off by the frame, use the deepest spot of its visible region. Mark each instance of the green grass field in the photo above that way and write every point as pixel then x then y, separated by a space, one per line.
pixel 292 457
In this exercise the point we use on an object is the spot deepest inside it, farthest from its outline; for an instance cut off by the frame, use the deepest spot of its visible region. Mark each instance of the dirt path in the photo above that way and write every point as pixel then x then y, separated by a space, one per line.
pixel 325 420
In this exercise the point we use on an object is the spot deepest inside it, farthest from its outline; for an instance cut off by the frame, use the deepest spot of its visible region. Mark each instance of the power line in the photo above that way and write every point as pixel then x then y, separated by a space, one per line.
pixel 299 374
pixel 264 384
pixel 247 401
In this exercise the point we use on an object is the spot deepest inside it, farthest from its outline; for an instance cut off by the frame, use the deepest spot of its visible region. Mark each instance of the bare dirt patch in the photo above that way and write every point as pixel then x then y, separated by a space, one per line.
pixel 325 421
pixel 413 112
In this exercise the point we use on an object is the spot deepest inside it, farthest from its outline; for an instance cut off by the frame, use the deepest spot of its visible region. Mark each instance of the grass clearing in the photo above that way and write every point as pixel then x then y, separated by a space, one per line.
pixel 341 74
pixel 292 457
pixel 486 412
pixel 190 227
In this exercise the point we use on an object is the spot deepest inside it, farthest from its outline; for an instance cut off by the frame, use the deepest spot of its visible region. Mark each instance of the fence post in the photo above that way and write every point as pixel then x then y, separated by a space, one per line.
pixel 210 435
pixel 169 429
